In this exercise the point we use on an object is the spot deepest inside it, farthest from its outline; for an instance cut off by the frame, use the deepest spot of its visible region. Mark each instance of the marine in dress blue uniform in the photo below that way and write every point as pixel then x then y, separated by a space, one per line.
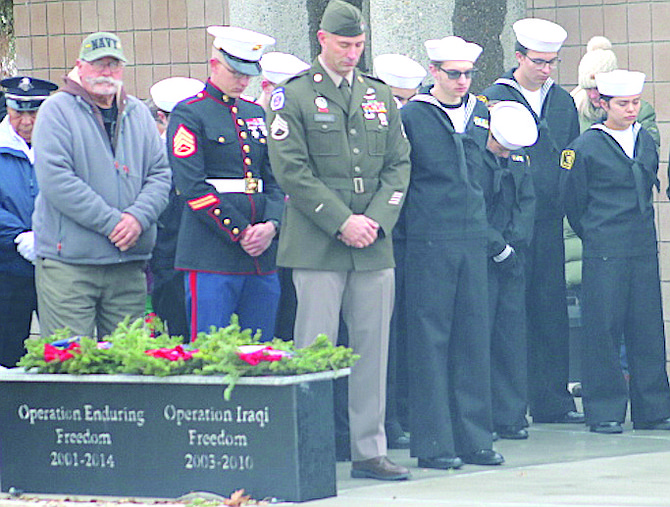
pixel 218 153
pixel 538 43
pixel 607 182
pixel 445 266
pixel 18 189
pixel 510 210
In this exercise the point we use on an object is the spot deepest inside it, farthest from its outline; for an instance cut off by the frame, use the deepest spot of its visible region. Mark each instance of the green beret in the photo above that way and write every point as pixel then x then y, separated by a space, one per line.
pixel 343 18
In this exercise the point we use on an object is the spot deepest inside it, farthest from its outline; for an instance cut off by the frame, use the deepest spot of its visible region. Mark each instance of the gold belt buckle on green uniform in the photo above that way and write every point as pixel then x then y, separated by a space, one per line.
pixel 359 188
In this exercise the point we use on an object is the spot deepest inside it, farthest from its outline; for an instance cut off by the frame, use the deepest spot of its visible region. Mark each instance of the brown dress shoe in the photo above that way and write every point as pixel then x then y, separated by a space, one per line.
pixel 380 468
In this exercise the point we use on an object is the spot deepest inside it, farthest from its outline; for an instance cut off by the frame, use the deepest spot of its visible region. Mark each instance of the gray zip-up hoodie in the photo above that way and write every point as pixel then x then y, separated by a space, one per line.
pixel 85 185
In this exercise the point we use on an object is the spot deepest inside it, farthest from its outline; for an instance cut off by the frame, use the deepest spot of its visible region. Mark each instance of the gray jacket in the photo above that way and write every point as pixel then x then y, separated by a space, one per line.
pixel 85 185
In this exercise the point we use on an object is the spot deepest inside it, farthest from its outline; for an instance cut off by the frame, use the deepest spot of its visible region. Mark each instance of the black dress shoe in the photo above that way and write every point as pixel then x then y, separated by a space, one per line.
pixel 607 427
pixel 401 442
pixel 380 468
pixel 661 424
pixel 512 432
pixel 483 457
pixel 440 462
pixel 570 417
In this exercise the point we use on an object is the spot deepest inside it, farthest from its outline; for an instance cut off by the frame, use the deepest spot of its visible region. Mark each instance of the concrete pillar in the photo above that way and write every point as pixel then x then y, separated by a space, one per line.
pixel 402 26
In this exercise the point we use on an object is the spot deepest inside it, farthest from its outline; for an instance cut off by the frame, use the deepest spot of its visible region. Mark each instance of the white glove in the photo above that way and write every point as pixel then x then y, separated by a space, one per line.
pixel 25 244
pixel 507 251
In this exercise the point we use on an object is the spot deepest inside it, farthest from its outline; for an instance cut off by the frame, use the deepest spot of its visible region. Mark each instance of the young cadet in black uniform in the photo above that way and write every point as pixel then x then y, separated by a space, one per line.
pixel 538 43
pixel 445 266
pixel 510 208
pixel 218 154
pixel 609 173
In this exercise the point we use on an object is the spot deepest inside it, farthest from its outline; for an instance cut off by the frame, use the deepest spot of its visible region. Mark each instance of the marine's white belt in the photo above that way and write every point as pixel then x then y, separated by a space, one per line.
pixel 234 185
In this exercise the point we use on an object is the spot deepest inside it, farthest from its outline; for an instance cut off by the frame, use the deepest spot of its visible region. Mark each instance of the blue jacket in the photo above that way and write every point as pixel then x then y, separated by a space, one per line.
pixel 18 188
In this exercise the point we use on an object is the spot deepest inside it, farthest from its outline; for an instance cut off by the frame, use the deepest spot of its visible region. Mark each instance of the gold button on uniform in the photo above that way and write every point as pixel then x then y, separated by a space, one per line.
pixel 356 151
pixel 234 109
pixel 217 212
pixel 240 122
pixel 226 221
pixel 262 140
pixel 247 161
pixel 246 148
pixel 235 230
pixel 222 139
pixel 249 174
pixel 243 135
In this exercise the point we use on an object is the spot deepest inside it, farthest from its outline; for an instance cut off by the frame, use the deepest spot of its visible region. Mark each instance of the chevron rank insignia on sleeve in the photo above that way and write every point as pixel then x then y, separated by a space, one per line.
pixel 184 142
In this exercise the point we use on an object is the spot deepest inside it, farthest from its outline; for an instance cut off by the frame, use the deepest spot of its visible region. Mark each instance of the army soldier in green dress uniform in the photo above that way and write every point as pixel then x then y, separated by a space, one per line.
pixel 337 150
pixel 218 154
pixel 607 182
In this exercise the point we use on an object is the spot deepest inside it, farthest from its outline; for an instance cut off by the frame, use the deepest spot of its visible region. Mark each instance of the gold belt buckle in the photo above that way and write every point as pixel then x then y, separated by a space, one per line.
pixel 359 188
pixel 250 185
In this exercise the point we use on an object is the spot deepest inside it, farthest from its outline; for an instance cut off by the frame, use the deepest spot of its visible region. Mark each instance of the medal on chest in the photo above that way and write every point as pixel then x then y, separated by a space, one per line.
pixel 257 127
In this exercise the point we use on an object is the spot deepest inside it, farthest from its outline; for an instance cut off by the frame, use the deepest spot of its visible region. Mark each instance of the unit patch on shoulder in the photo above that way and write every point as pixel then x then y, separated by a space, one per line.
pixel 184 142
pixel 277 99
pixel 567 159
pixel 481 122
pixel 482 98
pixel 279 128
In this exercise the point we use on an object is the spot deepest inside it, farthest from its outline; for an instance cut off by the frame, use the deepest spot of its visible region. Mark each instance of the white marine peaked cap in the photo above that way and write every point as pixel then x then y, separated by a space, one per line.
pixel 452 48
pixel 399 71
pixel 277 66
pixel 166 93
pixel 241 48
pixel 620 83
pixel 539 35
pixel 512 125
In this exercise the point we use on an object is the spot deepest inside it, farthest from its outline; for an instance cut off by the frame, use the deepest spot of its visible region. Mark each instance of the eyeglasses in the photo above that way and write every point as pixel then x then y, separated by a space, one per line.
pixel 456 74
pixel 540 63
pixel 101 65
pixel 236 75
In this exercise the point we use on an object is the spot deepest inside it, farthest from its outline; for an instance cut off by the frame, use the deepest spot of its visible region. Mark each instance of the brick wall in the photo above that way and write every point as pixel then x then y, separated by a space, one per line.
pixel 161 38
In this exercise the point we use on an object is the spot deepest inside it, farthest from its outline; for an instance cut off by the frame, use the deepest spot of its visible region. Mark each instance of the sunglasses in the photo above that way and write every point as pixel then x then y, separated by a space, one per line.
pixel 456 74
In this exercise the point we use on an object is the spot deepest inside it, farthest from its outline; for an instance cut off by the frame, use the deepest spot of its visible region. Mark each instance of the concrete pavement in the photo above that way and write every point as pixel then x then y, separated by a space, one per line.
pixel 559 465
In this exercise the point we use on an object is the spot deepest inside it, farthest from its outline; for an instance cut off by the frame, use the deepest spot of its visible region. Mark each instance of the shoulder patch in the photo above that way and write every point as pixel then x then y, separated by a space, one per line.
pixel 483 98
pixel 277 99
pixel 184 142
pixel 567 159
pixel 480 122
pixel 279 128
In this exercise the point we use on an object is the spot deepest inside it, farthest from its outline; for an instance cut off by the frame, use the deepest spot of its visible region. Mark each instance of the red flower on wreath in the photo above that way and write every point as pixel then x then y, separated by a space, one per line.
pixel 173 354
pixel 254 354
pixel 52 353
